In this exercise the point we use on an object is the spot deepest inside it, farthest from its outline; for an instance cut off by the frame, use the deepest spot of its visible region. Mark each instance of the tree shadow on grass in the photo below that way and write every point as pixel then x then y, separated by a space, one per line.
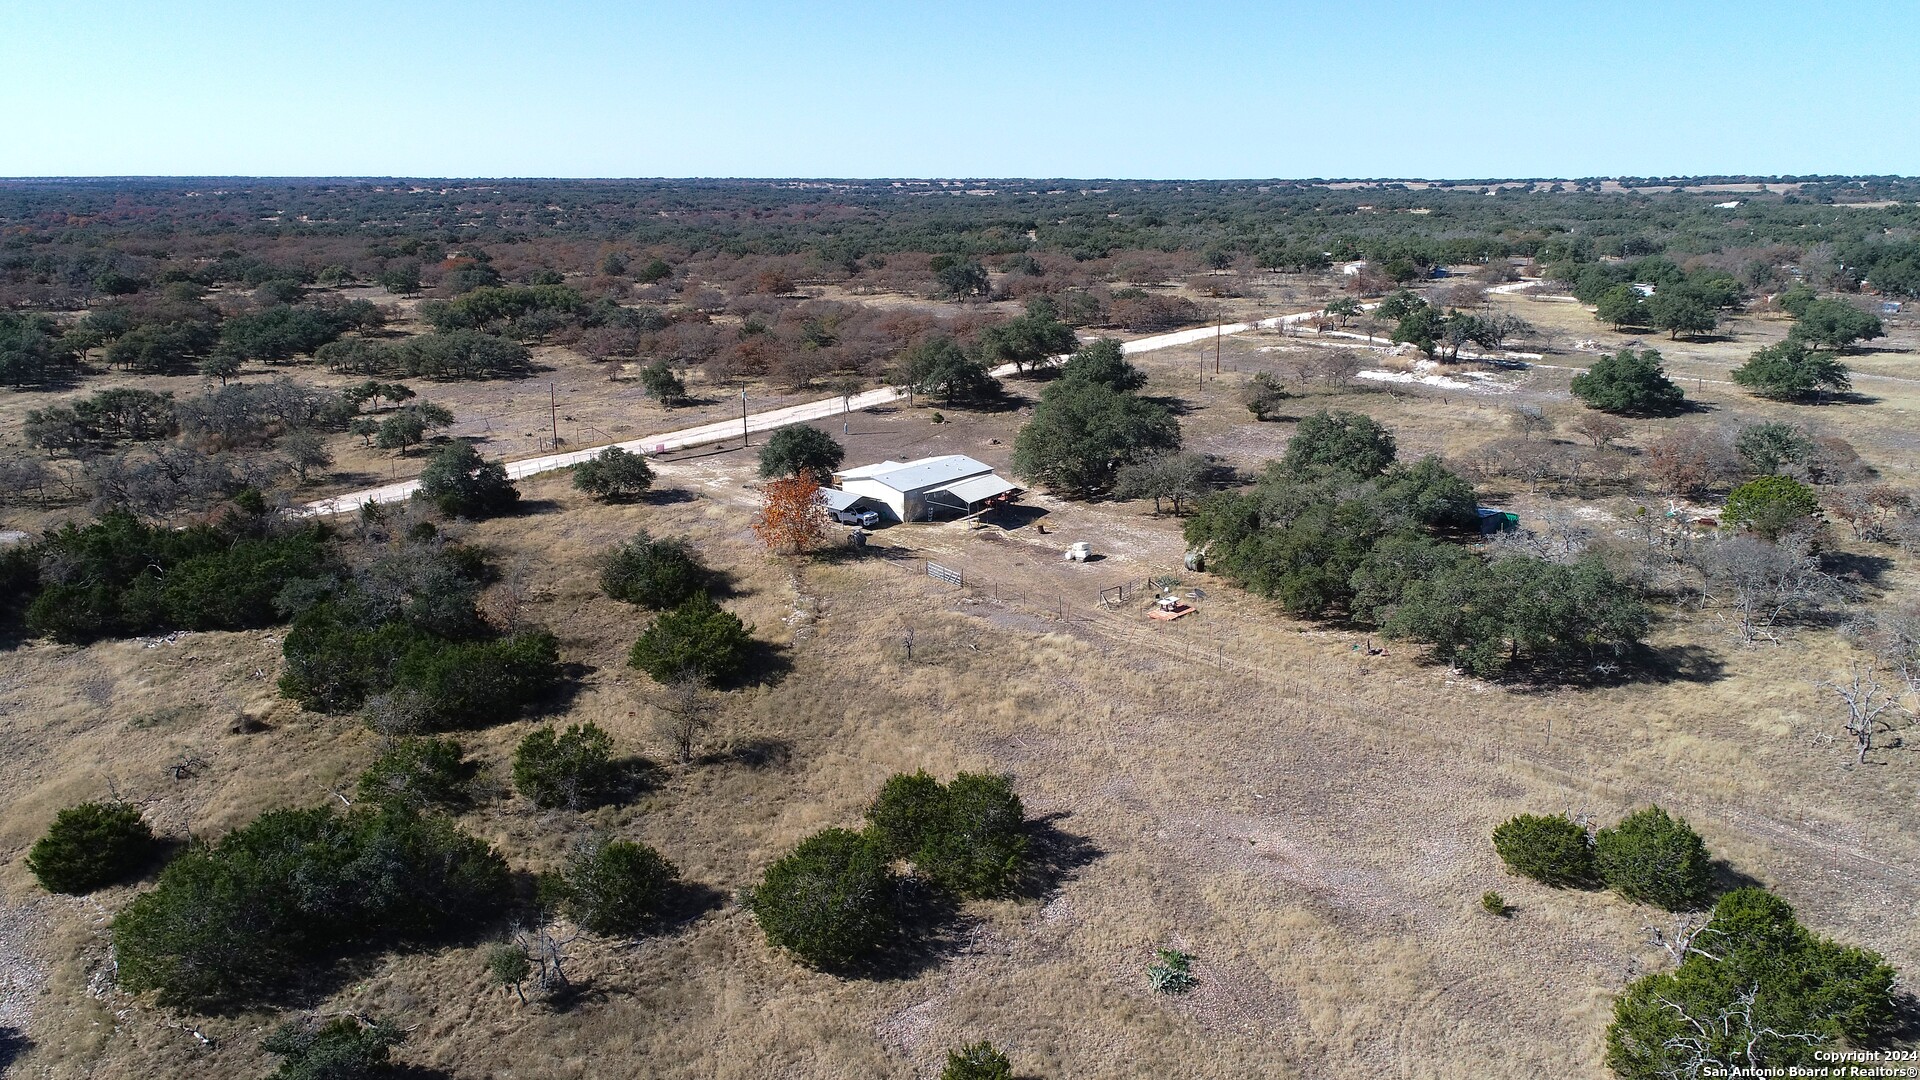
pixel 534 508
pixel 1870 569
pixel 13 1046
pixel 766 664
pixel 932 929
pixel 666 497
pixel 1178 406
pixel 576 994
pixel 1055 857
pixel 685 903
pixel 1841 397
pixel 1728 877
pixel 636 776
pixel 561 696
pixel 1663 664
pixel 755 754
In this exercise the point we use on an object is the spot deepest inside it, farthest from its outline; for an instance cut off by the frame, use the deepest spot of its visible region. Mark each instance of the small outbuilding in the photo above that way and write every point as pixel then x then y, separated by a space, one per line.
pixel 1496 521
pixel 919 490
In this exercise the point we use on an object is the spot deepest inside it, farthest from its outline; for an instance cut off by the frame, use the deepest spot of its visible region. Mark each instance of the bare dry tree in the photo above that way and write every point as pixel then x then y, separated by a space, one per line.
pixel 1698 1048
pixel 1869 705
pixel 686 709
pixel 1681 942
pixel 1765 586
pixel 1529 420
pixel 1598 428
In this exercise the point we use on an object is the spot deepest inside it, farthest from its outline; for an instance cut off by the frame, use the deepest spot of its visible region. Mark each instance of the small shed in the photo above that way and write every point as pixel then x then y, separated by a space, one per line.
pixel 1496 521
pixel 917 490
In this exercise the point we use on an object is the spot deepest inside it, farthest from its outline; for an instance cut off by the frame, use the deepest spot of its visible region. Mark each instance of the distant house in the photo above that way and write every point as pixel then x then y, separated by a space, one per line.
pixel 922 489
pixel 1889 307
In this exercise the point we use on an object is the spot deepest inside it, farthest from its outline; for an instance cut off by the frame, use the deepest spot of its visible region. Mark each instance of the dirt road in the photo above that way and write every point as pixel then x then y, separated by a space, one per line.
pixel 763 421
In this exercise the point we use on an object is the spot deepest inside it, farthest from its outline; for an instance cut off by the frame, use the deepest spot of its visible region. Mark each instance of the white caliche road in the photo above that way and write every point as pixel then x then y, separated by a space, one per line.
pixel 721 430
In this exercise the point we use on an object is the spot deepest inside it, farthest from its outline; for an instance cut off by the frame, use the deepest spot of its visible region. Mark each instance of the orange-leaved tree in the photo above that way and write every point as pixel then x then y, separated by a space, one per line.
pixel 790 520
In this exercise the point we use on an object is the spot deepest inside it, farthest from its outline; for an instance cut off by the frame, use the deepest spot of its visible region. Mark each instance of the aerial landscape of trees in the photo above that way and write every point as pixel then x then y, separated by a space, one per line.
pixel 623 734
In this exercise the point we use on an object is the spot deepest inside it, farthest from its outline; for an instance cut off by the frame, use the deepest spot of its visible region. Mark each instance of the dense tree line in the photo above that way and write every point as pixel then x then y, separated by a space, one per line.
pixel 232 923
pixel 119 576
pixel 401 636
pixel 1340 529
pixel 1289 225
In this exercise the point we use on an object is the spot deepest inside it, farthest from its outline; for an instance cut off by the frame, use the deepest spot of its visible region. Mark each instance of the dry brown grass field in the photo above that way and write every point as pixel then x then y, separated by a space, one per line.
pixel 1310 821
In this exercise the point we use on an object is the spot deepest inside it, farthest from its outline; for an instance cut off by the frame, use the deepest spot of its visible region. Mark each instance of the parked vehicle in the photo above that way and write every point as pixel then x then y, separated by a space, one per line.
pixel 864 518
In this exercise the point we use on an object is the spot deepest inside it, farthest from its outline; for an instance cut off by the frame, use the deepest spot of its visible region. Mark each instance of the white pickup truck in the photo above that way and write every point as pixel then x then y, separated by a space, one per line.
pixel 866 518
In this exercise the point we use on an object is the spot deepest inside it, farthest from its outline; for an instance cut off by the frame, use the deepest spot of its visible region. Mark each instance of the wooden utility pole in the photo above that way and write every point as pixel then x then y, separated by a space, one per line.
pixel 745 439
pixel 553 411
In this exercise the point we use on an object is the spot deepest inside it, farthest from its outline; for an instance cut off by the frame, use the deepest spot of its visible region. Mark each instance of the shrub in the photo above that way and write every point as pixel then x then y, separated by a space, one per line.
pixel 573 769
pixel 698 639
pixel 230 922
pixel 613 475
pixel 1171 972
pixel 459 483
pixel 1338 441
pixel 89 846
pixel 421 773
pixel 1551 850
pixel 1494 904
pixel 980 1061
pixel 652 573
pixel 662 384
pixel 344 1048
pixel 800 449
pixel 1262 395
pixel 615 887
pixel 1655 858
pixel 981 844
pixel 1629 383
pixel 908 810
pixel 1769 447
pixel 830 901
pixel 1771 505
pixel 508 965
pixel 968 837
pixel 1761 991
pixel 471 683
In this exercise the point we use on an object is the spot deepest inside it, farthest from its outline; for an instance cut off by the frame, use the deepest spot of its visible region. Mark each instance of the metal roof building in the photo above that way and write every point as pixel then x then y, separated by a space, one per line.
pixel 917 490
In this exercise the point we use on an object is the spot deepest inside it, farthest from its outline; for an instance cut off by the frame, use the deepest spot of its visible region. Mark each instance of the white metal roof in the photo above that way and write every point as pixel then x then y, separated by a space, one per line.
pixel 835 499
pixel 978 488
pixel 866 471
pixel 920 474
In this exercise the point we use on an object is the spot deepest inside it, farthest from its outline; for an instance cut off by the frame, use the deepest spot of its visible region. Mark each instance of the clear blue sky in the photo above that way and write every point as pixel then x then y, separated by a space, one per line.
pixel 1434 88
